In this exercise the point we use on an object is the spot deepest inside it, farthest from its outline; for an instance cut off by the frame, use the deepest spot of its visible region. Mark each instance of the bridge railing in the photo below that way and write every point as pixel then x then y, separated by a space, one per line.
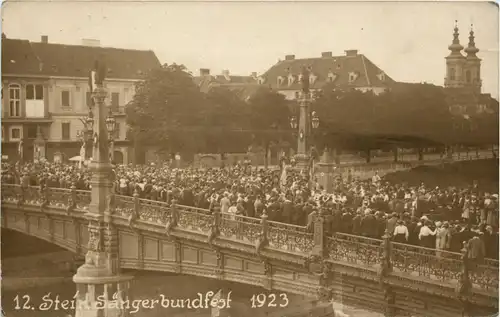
pixel 355 250
pixel 373 254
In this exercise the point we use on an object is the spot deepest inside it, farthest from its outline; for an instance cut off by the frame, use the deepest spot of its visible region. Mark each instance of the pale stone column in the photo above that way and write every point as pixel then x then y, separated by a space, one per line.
pixel 100 275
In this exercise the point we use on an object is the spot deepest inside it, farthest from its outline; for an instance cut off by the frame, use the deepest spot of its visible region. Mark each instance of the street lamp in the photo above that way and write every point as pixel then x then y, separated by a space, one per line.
pixel 110 126
pixel 315 120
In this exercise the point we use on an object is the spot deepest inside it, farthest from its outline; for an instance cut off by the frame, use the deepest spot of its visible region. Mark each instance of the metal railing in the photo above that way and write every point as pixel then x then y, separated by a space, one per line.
pixel 431 264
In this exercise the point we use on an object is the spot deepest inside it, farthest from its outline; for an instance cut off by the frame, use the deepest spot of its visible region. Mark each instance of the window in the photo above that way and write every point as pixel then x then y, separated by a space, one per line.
pixel 467 76
pixel 312 79
pixel 15 134
pixel 452 73
pixel 115 101
pixel 34 92
pixel 352 77
pixel 89 98
pixel 280 80
pixel 32 132
pixel 116 134
pixel 65 131
pixel 65 98
pixel 15 100
pixel 297 95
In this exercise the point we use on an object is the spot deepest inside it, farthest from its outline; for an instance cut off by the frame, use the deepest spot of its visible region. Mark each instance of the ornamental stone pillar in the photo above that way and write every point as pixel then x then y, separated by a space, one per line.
pixel 101 289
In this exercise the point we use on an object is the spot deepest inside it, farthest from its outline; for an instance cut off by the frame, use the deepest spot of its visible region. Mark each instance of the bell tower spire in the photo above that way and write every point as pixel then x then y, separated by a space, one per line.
pixel 455 62
pixel 471 48
pixel 472 65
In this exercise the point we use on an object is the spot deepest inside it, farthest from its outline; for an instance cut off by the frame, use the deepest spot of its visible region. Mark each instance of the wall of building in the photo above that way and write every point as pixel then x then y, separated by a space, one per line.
pixel 78 109
pixel 292 94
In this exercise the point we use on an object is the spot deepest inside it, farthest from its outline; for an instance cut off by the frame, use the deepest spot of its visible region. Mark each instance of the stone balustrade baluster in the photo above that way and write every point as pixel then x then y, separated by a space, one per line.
pixel 135 213
pixel 72 199
pixel 319 234
pixel 263 239
pixel 214 227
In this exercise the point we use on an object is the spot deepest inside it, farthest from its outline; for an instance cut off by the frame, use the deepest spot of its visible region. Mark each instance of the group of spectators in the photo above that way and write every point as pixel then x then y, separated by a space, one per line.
pixel 437 218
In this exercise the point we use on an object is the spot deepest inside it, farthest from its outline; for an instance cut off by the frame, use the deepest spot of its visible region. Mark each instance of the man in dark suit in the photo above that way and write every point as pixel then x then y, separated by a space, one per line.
pixel 369 225
pixel 356 224
pixel 490 239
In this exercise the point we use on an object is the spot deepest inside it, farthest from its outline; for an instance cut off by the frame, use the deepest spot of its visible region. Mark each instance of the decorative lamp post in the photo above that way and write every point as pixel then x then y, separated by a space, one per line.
pixel 306 123
pixel 315 120
pixel 110 126
pixel 293 122
pixel 99 279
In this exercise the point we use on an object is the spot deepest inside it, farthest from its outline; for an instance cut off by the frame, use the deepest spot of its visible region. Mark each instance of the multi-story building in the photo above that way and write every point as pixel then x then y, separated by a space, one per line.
pixel 351 71
pixel 243 86
pixel 48 93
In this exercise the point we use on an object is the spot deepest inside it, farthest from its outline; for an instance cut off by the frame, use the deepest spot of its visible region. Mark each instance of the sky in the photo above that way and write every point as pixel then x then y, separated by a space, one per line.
pixel 408 40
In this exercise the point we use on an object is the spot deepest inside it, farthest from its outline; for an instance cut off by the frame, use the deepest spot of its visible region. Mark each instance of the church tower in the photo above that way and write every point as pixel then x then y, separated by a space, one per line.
pixel 455 63
pixel 472 67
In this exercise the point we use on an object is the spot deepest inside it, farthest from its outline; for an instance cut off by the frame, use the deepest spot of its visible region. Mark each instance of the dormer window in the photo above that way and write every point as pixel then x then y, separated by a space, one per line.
pixel 381 76
pixel 280 80
pixel 290 79
pixel 331 77
pixel 352 77
pixel 312 78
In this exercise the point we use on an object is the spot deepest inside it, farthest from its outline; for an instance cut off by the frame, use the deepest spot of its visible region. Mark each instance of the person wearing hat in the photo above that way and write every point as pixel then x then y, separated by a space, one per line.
pixel 392 222
pixel 443 237
pixel 401 233
pixel 426 235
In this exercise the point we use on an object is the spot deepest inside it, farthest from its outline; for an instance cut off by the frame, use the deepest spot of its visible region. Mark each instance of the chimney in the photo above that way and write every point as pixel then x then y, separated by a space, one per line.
pixel 254 75
pixel 91 42
pixel 351 53
pixel 289 57
pixel 204 72
pixel 326 54
pixel 45 39
pixel 225 73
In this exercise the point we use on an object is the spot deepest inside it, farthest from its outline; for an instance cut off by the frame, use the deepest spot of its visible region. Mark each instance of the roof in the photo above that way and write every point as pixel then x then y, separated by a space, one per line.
pixel 19 58
pixel 243 91
pixel 75 60
pixel 231 82
pixel 320 67
pixel 243 86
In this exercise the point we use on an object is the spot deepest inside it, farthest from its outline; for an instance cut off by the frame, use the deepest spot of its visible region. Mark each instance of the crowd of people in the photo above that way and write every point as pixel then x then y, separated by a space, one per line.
pixel 437 218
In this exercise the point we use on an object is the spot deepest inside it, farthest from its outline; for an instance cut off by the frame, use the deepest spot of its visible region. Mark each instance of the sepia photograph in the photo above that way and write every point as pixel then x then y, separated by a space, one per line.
pixel 249 159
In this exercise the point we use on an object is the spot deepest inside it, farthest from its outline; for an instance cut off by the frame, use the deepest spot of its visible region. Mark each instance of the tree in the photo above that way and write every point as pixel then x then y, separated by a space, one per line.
pixel 166 109
pixel 268 115
pixel 414 115
pixel 223 122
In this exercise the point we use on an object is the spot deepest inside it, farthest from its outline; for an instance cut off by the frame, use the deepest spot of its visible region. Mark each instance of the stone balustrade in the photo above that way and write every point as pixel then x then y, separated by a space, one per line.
pixel 382 256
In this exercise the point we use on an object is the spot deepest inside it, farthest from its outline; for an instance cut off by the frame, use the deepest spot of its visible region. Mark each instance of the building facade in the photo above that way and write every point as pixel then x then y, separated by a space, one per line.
pixel 45 95
pixel 351 71
pixel 243 86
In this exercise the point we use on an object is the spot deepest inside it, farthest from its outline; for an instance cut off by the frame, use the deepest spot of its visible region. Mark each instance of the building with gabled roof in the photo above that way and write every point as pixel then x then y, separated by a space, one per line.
pixel 350 71
pixel 243 86
pixel 45 94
